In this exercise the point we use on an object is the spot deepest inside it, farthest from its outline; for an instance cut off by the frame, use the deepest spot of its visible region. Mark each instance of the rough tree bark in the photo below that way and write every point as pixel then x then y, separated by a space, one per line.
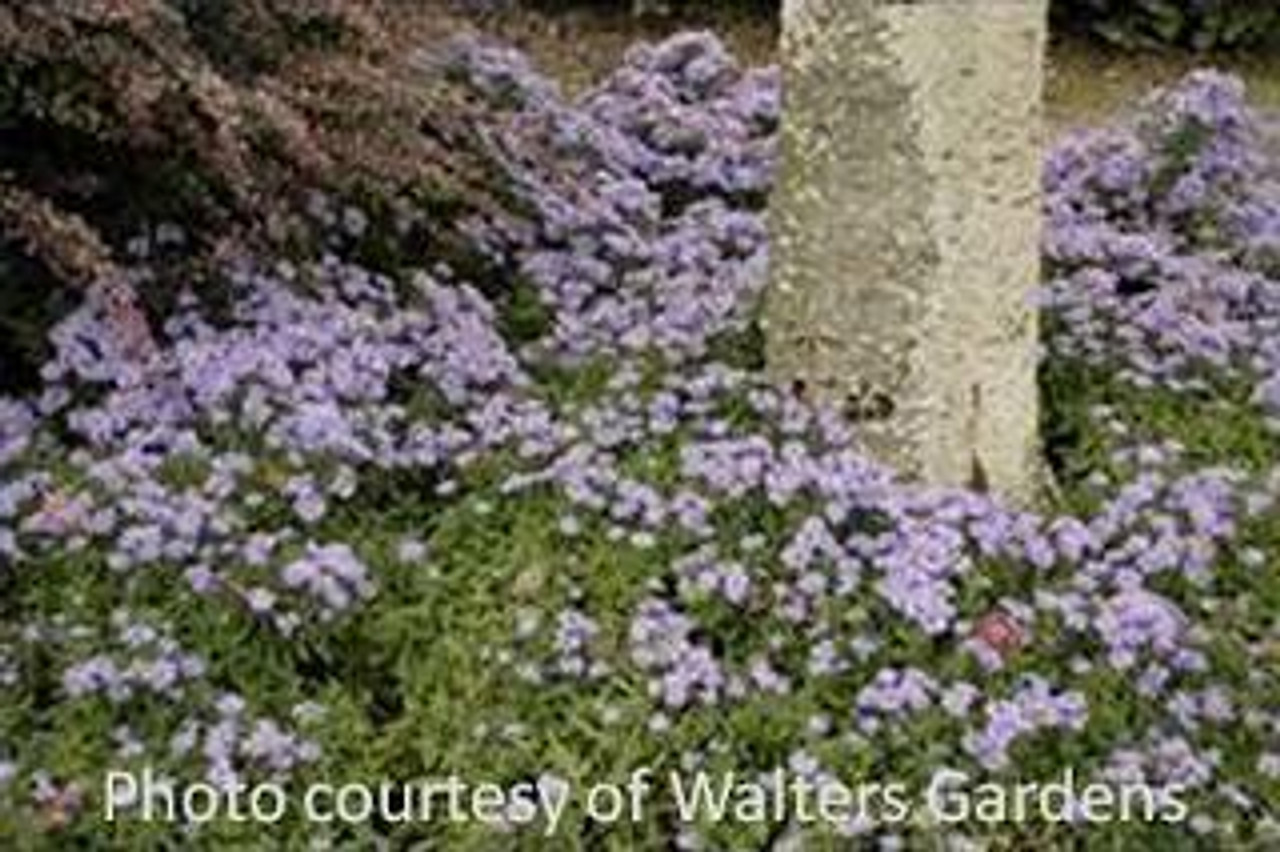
pixel 906 229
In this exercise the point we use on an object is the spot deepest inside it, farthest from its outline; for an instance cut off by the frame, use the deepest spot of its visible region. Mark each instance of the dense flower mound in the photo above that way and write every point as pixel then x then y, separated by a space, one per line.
pixel 648 190
pixel 359 530
pixel 1164 240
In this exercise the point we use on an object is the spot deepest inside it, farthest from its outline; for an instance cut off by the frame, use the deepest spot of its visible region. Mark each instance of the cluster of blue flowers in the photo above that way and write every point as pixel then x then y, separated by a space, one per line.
pixel 231 479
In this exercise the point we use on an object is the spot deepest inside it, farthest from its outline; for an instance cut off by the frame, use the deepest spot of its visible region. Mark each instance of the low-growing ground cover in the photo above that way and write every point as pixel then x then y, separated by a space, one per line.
pixel 373 530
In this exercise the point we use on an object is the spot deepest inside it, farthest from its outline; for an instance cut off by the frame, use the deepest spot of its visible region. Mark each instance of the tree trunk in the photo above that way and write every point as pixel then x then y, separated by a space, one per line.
pixel 906 229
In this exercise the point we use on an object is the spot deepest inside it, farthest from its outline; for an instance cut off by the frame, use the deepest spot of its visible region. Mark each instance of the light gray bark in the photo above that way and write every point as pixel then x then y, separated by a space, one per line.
pixel 907 226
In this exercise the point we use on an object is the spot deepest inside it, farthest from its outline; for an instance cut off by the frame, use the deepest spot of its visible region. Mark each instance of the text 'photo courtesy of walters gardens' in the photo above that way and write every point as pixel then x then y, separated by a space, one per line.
pixel 550 804
pixel 620 425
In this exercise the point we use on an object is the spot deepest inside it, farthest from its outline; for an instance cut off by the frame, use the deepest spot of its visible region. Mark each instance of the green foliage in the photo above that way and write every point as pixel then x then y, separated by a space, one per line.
pixel 256 36
pixel 1210 25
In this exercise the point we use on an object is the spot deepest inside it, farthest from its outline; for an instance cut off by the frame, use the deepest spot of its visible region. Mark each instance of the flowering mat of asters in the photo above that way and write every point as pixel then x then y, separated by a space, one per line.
pixel 368 530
